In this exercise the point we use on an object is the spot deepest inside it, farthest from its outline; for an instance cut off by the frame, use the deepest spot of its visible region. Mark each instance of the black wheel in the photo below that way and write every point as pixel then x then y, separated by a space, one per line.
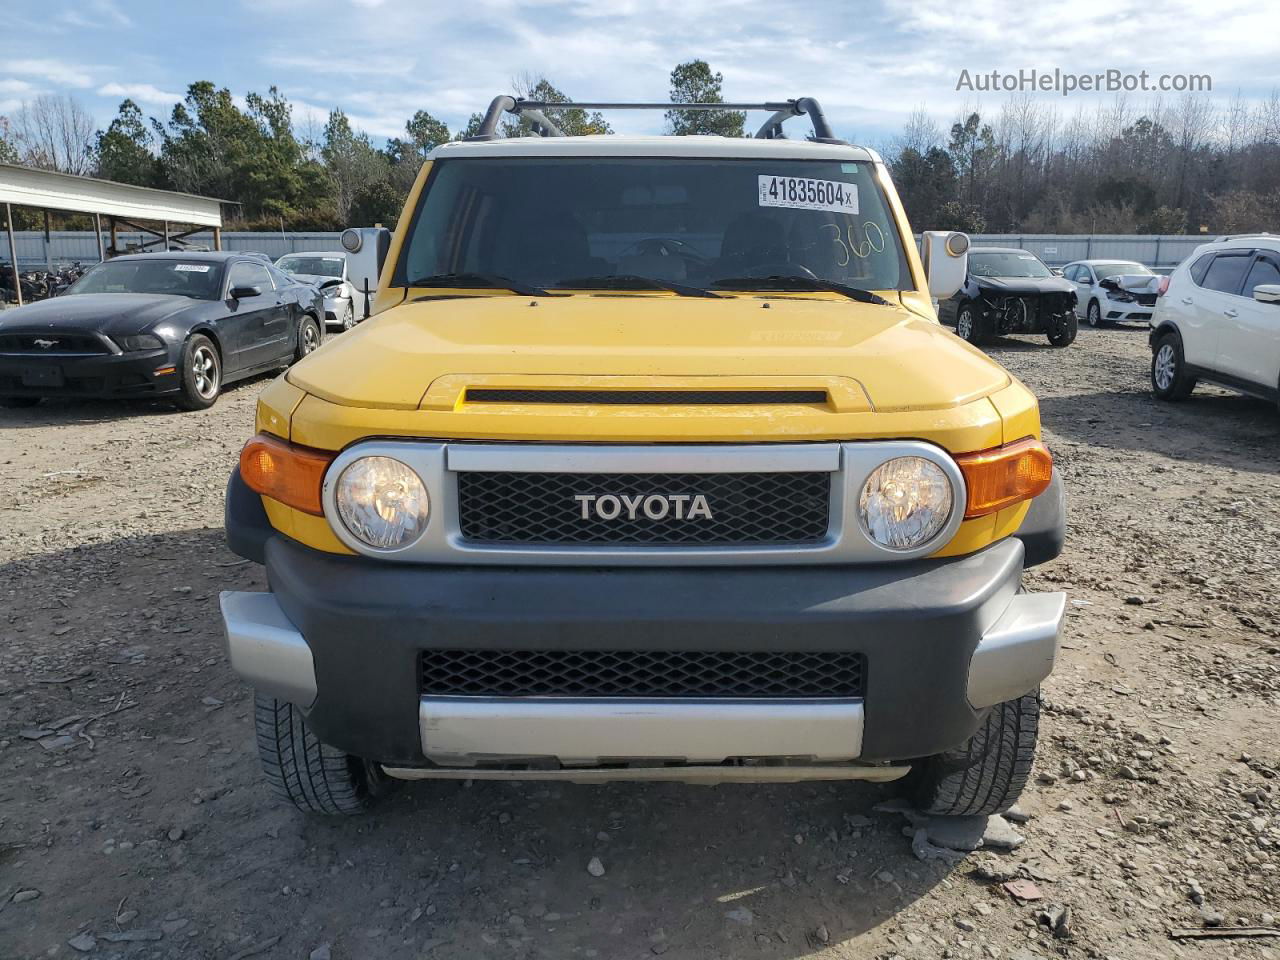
pixel 970 324
pixel 18 403
pixel 201 374
pixel 1169 377
pixel 313 777
pixel 1094 314
pixel 986 773
pixel 349 317
pixel 1063 333
pixel 309 337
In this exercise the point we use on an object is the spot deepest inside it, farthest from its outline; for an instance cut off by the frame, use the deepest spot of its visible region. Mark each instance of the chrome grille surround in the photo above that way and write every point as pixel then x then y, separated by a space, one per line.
pixel 440 463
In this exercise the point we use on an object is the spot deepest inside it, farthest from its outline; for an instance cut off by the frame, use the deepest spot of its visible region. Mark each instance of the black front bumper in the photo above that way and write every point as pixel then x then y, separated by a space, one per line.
pixel 367 622
pixel 88 375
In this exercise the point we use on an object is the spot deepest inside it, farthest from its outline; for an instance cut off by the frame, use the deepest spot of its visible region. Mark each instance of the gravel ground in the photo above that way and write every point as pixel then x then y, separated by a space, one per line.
pixel 134 822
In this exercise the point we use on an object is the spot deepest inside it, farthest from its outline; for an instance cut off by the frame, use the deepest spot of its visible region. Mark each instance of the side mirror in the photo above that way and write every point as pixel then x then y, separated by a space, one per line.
pixel 1267 293
pixel 241 293
pixel 946 261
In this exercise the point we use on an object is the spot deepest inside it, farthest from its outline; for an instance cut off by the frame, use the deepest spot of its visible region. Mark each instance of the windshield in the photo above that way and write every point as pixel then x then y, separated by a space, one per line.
pixel 1105 270
pixel 201 281
pixel 559 221
pixel 1007 265
pixel 312 266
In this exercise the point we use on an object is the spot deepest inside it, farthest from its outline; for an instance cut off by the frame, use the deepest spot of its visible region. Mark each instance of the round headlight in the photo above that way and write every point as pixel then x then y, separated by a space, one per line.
pixel 382 502
pixel 905 503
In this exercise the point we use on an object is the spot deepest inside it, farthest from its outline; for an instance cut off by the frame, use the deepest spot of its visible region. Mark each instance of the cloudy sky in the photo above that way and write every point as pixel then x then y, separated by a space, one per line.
pixel 870 64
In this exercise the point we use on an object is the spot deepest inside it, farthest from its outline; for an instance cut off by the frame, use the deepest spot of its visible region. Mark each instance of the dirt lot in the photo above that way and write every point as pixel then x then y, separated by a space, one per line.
pixel 146 832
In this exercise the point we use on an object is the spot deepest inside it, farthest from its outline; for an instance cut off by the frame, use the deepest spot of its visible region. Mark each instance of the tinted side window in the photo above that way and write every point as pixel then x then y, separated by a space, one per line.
pixel 245 274
pixel 1262 271
pixel 1226 272
pixel 1070 273
pixel 1199 268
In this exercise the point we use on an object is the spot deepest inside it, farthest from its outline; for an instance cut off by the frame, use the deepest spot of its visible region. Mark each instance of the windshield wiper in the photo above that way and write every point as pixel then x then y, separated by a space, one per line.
pixel 799 282
pixel 631 281
pixel 469 280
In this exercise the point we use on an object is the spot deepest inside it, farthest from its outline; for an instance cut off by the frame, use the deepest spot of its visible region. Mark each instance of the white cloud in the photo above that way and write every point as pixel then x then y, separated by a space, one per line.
pixel 140 93
pixel 56 72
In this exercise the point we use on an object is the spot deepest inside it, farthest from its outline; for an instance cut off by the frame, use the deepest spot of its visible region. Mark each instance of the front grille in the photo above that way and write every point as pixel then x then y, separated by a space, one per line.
pixel 745 508
pixel 641 673
pixel 51 343
pixel 648 397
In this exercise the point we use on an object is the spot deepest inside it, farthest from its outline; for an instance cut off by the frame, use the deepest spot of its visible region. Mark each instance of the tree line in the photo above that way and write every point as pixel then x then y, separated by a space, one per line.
pixel 1159 167
pixel 1185 166
pixel 279 173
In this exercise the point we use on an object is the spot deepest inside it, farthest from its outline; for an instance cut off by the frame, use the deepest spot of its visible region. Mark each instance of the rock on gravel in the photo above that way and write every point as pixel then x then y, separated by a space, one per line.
pixel 595 867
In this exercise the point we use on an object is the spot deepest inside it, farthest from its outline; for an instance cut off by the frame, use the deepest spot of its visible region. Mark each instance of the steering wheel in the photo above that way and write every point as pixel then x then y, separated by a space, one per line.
pixel 780 268
pixel 665 246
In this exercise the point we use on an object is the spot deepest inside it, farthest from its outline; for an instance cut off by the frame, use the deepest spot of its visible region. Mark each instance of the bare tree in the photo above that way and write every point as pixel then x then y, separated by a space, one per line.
pixel 55 132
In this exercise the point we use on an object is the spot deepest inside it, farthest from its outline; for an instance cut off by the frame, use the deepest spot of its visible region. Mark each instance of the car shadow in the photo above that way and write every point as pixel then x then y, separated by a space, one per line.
pixel 70 411
pixel 774 870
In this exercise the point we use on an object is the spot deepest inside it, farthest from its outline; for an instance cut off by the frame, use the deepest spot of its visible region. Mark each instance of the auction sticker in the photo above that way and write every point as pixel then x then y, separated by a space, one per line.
pixel 191 267
pixel 801 193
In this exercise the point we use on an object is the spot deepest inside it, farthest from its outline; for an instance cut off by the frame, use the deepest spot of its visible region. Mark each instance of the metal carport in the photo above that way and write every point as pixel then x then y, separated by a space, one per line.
pixel 121 203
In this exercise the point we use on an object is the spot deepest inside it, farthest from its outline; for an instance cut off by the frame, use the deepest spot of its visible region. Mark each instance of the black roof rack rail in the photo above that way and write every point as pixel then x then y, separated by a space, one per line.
pixel 771 129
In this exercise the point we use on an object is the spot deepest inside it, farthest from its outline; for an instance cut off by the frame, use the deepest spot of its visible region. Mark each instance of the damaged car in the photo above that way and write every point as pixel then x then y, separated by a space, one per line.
pixel 1109 291
pixel 1008 290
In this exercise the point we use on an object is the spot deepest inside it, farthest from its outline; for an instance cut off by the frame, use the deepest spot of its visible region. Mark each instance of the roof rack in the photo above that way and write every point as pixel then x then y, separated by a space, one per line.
pixel 1245 236
pixel 771 129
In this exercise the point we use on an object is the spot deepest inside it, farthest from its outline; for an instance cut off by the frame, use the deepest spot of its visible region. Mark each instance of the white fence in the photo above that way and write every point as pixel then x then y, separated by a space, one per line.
pixel 67 246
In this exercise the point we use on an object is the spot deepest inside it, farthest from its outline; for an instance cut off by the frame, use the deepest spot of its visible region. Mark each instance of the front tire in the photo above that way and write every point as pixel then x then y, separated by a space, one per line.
pixel 348 321
pixel 308 774
pixel 1169 377
pixel 970 325
pixel 1094 314
pixel 1065 333
pixel 987 773
pixel 201 374
pixel 309 337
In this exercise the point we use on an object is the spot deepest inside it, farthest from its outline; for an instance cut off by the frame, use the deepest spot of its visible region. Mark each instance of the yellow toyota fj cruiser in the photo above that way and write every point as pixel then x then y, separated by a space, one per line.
pixel 653 464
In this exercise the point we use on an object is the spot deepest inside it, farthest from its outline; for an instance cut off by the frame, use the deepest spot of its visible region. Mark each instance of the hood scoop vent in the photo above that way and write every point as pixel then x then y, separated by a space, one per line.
pixel 648 397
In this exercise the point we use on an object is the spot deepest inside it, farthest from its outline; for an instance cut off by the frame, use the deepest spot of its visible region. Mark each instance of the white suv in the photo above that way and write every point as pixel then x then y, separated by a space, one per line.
pixel 1219 320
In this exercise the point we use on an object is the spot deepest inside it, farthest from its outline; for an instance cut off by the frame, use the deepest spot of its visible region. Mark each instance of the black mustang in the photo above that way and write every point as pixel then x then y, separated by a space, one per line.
pixel 1011 291
pixel 158 324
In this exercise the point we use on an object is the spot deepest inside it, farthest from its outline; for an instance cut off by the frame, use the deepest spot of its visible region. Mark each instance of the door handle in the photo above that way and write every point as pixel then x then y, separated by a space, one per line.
pixel 1187 300
pixel 1230 313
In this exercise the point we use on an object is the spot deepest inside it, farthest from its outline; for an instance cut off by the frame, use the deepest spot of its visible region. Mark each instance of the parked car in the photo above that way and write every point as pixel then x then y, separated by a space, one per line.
pixel 1218 320
pixel 343 304
pixel 555 514
pixel 179 325
pixel 1108 291
pixel 1008 291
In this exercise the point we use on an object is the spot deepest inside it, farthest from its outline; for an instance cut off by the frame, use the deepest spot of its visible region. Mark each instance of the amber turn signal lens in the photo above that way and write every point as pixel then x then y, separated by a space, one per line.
pixel 1006 475
pixel 283 472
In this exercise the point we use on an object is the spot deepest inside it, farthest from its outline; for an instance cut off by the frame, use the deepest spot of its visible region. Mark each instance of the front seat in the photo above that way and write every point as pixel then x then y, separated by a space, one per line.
pixel 750 240
pixel 560 253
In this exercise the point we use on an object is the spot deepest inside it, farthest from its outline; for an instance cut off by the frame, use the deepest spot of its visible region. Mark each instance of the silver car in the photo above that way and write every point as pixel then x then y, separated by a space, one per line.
pixel 343 303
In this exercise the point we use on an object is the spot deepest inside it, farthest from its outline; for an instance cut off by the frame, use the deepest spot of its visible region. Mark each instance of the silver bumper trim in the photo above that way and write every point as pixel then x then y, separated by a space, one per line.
pixel 1018 650
pixel 463 731
pixel 745 773
pixel 266 649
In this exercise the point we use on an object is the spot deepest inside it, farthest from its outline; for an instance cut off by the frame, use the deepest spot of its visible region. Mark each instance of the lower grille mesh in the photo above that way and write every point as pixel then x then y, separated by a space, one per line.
pixel 761 674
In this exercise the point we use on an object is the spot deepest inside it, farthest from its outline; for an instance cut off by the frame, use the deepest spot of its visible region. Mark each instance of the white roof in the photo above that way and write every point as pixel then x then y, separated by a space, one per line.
pixel 612 145
pixel 48 190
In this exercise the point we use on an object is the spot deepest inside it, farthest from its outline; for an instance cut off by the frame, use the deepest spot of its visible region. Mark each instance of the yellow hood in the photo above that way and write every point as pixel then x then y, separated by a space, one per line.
pixel 425 354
